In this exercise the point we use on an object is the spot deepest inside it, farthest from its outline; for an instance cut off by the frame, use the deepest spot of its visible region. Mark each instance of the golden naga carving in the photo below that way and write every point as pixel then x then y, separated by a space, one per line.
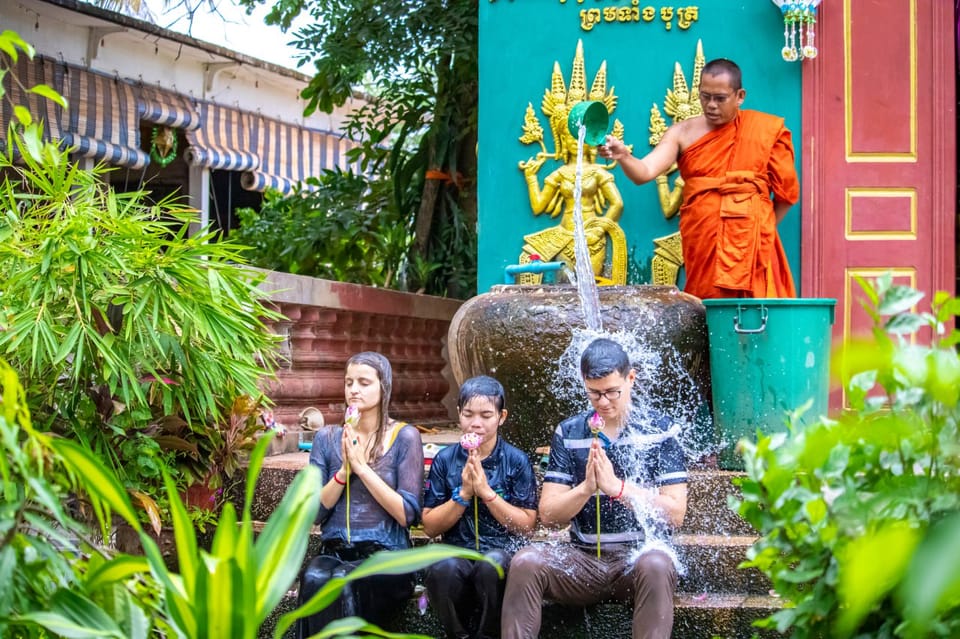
pixel 680 103
pixel 600 199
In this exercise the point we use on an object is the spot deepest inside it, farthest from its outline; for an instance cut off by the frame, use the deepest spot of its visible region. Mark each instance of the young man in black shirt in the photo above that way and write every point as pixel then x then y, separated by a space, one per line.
pixel 633 461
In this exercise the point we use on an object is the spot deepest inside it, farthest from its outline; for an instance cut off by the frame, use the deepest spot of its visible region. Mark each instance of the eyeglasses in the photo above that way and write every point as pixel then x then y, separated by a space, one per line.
pixel 719 98
pixel 611 395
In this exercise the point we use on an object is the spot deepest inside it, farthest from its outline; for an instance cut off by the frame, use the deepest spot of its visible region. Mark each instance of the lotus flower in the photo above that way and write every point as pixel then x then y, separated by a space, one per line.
pixel 596 424
pixel 352 417
pixel 470 441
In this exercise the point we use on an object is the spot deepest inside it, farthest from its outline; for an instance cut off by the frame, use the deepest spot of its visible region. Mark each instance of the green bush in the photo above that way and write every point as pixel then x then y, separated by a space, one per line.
pixel 132 335
pixel 60 580
pixel 340 226
pixel 859 516
pixel 51 566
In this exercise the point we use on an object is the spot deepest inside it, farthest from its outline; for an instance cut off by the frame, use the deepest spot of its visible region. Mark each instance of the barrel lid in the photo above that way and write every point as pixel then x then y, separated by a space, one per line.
pixel 745 302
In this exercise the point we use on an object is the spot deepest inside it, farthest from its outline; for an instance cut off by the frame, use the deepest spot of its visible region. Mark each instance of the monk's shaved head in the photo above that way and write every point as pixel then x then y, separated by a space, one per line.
pixel 722 66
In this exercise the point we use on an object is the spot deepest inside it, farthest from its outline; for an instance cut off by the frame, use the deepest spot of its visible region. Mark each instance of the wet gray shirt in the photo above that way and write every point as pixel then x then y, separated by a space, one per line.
pixel 401 467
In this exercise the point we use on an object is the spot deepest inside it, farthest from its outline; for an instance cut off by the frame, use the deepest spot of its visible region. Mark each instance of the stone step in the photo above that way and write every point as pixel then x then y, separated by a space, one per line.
pixel 709 561
pixel 707 509
pixel 696 616
pixel 711 565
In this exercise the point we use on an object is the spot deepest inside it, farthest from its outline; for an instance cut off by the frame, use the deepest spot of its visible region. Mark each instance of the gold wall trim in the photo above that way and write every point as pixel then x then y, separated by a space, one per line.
pixel 879 192
pixel 874 156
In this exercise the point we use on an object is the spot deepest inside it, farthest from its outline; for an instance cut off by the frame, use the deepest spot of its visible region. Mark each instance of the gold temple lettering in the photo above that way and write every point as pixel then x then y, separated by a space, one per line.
pixel 632 12
pixel 684 16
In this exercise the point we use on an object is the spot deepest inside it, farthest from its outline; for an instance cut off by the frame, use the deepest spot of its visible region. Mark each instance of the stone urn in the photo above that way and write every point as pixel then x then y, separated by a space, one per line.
pixel 530 338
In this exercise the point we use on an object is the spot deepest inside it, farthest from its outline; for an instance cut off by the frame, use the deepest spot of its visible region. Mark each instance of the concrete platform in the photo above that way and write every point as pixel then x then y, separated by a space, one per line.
pixel 696 616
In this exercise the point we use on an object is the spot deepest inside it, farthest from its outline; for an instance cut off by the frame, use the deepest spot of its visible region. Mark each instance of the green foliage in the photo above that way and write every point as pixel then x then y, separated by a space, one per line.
pixel 230 590
pixel 56 580
pixel 417 124
pixel 859 515
pixel 12 46
pixel 346 229
pixel 118 319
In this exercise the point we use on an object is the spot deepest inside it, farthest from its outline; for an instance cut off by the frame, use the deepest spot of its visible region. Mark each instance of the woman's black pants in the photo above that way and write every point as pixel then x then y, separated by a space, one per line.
pixel 377 599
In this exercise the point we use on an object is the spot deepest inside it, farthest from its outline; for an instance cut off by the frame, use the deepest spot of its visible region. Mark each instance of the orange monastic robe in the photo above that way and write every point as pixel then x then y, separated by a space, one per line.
pixel 730 243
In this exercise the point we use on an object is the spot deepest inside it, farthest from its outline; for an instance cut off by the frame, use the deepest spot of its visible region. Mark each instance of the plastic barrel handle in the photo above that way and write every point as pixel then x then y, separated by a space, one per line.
pixel 763 322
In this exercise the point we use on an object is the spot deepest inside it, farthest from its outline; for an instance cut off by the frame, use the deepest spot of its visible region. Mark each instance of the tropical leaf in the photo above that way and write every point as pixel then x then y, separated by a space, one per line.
pixel 50 94
pixel 932 583
pixel 103 489
pixel 864 581
pixel 354 626
pixel 74 616
pixel 282 544
pixel 386 562
pixel 117 569
pixel 184 534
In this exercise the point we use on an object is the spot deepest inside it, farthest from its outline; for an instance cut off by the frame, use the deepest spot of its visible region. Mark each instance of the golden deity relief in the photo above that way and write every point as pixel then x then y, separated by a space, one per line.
pixel 600 200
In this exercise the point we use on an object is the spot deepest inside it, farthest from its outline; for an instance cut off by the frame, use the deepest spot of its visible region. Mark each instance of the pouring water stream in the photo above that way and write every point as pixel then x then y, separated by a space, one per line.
pixel 586 285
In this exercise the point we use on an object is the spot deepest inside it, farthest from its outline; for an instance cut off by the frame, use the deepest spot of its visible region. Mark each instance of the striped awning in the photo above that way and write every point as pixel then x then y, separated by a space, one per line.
pixel 30 73
pixel 223 140
pixel 290 154
pixel 166 108
pixel 102 121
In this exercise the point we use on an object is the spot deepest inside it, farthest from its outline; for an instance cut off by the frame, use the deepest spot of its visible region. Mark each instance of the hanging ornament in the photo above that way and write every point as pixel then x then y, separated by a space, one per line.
pixel 163 145
pixel 799 17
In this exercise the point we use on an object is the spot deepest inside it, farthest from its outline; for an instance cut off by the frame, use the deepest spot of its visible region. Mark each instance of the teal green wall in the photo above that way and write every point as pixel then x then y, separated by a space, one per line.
pixel 519 42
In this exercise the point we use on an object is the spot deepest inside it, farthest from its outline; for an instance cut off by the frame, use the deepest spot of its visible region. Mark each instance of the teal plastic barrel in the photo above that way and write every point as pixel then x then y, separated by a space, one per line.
pixel 768 357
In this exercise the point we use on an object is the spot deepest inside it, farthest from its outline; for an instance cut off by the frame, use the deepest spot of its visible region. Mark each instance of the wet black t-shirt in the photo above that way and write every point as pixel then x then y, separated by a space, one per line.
pixel 509 474
pixel 646 453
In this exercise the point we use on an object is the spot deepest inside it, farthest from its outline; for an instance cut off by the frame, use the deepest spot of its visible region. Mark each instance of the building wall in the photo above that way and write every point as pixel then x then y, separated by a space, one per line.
pixel 63 34
pixel 521 41
pixel 327 322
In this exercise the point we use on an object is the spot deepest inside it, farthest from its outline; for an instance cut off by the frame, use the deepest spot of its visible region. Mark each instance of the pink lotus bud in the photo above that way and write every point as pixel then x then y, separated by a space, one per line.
pixel 596 424
pixel 269 421
pixel 352 416
pixel 470 441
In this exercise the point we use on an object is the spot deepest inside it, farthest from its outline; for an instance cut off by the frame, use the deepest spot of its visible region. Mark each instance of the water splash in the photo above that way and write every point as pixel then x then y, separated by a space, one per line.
pixel 678 395
pixel 684 405
pixel 586 285
pixel 683 401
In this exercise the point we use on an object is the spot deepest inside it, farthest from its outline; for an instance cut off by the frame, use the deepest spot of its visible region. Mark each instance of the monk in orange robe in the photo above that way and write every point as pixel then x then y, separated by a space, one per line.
pixel 739 182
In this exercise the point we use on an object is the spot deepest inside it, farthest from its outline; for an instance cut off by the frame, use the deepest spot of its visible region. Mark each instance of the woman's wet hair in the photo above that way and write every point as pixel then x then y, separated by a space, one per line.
pixel 381 365
pixel 482 386
pixel 602 357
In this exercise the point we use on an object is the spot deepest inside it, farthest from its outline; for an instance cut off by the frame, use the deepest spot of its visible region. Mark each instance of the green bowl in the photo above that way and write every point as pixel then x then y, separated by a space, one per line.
pixel 593 115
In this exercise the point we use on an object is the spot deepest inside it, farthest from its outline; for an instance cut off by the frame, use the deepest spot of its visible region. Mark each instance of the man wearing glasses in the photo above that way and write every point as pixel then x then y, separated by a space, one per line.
pixel 739 182
pixel 627 462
